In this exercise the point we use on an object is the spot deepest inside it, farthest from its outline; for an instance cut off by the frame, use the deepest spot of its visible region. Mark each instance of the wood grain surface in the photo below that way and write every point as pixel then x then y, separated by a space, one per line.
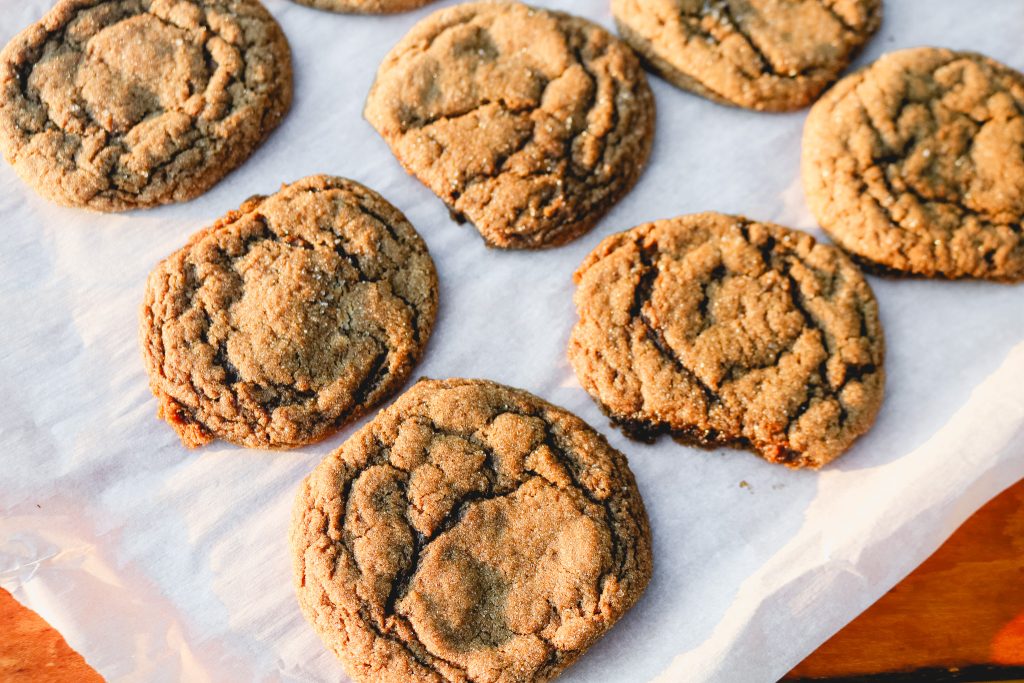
pixel 959 616
pixel 32 651
pixel 962 609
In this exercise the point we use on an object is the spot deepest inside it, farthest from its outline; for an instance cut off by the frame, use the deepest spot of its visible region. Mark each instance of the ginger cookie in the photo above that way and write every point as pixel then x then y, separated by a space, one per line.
pixel 771 55
pixel 288 318
pixel 529 123
pixel 365 6
pixel 718 330
pixel 121 104
pixel 470 532
pixel 915 165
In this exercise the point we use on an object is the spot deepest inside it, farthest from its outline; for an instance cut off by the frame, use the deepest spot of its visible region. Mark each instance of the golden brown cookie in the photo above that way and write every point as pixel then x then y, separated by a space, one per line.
pixel 470 532
pixel 288 318
pixel 120 104
pixel 365 6
pixel 916 165
pixel 723 331
pixel 529 123
pixel 773 55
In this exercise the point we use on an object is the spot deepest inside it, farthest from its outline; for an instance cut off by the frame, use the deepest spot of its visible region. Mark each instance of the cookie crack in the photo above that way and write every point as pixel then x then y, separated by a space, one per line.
pixel 725 12
pixel 421 543
pixel 810 322
pixel 282 394
pixel 892 163
pixel 112 140
pixel 641 297
pixel 820 390
pixel 839 19
pixel 377 365
pixel 447 117
pixel 721 11
pixel 540 213
pixel 573 470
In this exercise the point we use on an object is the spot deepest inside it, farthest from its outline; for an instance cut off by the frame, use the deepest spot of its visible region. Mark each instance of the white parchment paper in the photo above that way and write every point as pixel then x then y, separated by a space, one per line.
pixel 160 564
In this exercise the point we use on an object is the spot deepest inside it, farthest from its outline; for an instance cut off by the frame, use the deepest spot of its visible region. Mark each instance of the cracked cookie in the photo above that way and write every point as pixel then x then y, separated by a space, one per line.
pixel 470 532
pixel 723 331
pixel 529 123
pixel 288 318
pixel 121 104
pixel 772 55
pixel 365 6
pixel 915 165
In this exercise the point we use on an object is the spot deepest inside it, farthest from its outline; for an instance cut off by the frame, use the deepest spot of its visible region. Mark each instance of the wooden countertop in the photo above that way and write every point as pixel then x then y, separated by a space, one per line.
pixel 959 616
pixel 962 609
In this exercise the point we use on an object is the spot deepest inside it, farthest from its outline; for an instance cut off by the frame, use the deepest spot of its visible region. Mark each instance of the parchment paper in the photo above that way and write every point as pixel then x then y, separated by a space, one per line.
pixel 160 564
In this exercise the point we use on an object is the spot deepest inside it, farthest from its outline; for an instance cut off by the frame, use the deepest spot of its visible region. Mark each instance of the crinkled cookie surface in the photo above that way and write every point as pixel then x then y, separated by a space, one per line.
pixel 122 104
pixel 470 532
pixel 773 55
pixel 529 123
pixel 719 330
pixel 288 318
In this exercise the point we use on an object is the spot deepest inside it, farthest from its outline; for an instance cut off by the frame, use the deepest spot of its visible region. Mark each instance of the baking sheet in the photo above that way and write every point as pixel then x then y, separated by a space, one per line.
pixel 160 564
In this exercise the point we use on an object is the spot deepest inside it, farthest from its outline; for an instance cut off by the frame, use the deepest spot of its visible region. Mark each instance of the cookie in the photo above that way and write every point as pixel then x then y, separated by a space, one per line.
pixel 288 318
pixel 723 331
pixel 771 55
pixel 915 165
pixel 121 104
pixel 365 6
pixel 470 532
pixel 529 123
